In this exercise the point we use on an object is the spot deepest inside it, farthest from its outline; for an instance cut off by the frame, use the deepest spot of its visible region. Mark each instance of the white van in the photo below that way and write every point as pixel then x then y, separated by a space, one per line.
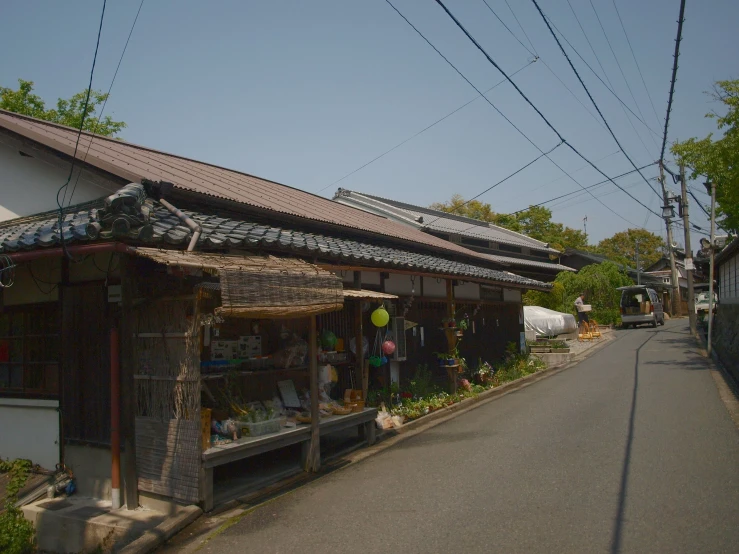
pixel 639 305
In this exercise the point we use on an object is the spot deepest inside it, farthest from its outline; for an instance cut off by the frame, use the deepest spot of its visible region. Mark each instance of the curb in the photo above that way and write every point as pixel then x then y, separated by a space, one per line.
pixel 153 538
pixel 728 388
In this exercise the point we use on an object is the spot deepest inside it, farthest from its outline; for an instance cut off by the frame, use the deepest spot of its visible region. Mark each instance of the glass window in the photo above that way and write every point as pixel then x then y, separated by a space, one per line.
pixel 29 351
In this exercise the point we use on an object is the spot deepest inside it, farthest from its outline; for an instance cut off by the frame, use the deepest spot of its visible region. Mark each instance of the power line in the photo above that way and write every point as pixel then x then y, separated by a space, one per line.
pixel 105 102
pixel 519 24
pixel 623 27
pixel 540 59
pixel 676 55
pixel 540 156
pixel 595 105
pixel 605 73
pixel 628 86
pixel 79 134
pixel 422 130
pixel 495 107
pixel 608 88
pixel 521 93
pixel 580 192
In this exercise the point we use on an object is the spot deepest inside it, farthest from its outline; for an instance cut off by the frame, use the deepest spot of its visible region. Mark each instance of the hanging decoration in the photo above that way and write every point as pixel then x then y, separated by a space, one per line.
pixel 388 347
pixel 380 317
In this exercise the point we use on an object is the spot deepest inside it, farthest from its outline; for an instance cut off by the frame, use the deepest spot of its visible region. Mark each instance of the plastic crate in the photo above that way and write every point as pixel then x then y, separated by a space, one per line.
pixel 249 429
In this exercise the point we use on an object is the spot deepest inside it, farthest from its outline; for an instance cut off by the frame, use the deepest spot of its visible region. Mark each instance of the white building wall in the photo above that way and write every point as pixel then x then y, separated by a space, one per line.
pixel 467 291
pixel 511 295
pixel 434 288
pixel 29 185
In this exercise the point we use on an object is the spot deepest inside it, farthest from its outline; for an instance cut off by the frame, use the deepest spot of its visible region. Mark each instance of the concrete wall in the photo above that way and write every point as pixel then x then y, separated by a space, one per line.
pixel 29 429
pixel 29 184
pixel 726 336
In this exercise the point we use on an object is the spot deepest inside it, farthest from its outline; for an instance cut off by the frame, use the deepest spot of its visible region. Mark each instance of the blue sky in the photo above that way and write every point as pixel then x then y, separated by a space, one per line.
pixel 305 92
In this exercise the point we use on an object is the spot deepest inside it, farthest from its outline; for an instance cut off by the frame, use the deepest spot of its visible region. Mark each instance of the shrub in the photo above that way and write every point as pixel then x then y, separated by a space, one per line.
pixel 17 535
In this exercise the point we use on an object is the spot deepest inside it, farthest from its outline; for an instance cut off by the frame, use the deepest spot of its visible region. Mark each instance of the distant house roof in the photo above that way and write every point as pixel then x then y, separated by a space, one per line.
pixel 518 262
pixel 131 162
pixel 436 221
pixel 155 225
pixel 598 259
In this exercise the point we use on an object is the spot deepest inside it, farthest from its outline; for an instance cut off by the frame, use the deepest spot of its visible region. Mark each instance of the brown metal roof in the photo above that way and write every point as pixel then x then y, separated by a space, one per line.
pixel 133 162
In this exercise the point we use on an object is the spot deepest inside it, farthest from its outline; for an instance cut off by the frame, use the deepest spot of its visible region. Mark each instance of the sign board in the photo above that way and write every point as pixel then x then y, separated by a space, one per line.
pixel 689 264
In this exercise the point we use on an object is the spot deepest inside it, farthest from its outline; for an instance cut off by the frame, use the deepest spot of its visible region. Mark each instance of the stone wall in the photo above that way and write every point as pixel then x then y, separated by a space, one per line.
pixel 726 337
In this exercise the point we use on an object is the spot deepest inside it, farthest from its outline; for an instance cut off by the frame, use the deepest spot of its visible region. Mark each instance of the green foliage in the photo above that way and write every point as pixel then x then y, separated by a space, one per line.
pixel 718 159
pixel 621 247
pixel 68 112
pixel 599 283
pixel 17 535
pixel 535 222
pixel 422 383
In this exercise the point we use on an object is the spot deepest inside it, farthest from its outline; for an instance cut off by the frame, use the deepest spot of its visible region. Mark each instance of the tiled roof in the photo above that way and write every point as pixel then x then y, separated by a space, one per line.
pixel 518 262
pixel 438 221
pixel 83 222
pixel 133 163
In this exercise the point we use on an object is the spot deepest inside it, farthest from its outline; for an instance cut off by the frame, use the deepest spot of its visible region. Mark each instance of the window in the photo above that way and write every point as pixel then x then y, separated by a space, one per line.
pixel 475 242
pixel 509 248
pixel 29 351
pixel 539 254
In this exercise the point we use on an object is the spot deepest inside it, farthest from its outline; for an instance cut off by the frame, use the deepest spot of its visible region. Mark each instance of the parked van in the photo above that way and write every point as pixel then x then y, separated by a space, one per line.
pixel 640 304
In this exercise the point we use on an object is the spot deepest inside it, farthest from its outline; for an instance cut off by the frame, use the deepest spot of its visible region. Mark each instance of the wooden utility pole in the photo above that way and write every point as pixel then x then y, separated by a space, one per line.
pixel 451 334
pixel 313 458
pixel 688 251
pixel 673 268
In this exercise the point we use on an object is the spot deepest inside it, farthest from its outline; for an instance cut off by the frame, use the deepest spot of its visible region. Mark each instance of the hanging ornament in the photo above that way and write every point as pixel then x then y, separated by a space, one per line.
pixel 388 347
pixel 380 317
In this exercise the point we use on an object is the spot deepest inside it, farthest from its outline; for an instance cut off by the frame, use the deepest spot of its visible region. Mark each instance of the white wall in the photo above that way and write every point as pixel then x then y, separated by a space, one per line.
pixel 434 288
pixel 401 285
pixel 511 295
pixel 30 429
pixel 467 291
pixel 46 271
pixel 29 185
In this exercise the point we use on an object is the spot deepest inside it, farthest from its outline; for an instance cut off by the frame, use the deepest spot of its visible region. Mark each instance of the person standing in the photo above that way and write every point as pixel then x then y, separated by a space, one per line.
pixel 581 315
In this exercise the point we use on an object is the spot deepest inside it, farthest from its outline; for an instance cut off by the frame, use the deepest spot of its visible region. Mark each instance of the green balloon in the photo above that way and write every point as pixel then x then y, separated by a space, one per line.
pixel 328 340
pixel 380 317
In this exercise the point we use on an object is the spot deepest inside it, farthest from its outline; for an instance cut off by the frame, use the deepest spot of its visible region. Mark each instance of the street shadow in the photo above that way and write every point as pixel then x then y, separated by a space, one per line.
pixel 618 525
pixel 692 365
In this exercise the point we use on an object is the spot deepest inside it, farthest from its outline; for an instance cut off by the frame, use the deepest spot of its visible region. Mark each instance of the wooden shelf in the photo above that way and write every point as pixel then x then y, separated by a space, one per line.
pixel 208 376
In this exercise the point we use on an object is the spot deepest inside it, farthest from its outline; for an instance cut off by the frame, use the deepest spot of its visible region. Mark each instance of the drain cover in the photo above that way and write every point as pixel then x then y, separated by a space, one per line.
pixel 55 505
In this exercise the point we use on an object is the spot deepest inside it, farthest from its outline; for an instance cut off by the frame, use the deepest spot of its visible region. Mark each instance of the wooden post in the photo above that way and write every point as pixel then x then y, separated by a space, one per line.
pixel 359 335
pixel 451 335
pixel 128 392
pixel 313 461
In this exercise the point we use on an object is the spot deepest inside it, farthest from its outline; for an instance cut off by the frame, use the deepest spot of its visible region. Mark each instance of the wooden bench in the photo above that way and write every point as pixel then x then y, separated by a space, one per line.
pixel 253 446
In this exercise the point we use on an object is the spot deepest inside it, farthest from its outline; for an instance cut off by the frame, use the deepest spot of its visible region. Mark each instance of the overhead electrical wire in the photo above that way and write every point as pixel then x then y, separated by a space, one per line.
pixel 541 115
pixel 579 191
pixel 495 107
pixel 520 26
pixel 422 130
pixel 533 53
pixel 605 74
pixel 608 88
pixel 595 105
pixel 623 27
pixel 676 55
pixel 79 134
pixel 105 102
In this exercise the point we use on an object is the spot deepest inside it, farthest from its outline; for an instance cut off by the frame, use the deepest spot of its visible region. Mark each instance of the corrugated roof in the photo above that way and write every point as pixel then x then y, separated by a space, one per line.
pixel 438 221
pixel 83 225
pixel 133 162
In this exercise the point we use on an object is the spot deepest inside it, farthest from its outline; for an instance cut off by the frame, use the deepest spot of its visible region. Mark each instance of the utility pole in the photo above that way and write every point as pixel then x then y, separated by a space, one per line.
pixel 688 252
pixel 585 227
pixel 712 187
pixel 673 268
pixel 638 269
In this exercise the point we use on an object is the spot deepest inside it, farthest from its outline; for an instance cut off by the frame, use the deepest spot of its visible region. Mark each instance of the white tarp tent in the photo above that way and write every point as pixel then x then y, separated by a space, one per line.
pixel 545 322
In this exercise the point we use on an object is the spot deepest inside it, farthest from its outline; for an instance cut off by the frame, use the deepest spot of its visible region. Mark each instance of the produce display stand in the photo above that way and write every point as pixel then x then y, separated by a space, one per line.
pixel 247 447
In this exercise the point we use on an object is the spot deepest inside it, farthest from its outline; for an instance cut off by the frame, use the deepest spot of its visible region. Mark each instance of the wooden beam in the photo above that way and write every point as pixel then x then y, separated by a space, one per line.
pixel 451 313
pixel 128 390
pixel 313 458
pixel 358 333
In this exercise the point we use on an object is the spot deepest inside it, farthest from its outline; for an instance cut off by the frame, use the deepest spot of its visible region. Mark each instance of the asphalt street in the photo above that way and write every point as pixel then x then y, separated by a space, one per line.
pixel 632 450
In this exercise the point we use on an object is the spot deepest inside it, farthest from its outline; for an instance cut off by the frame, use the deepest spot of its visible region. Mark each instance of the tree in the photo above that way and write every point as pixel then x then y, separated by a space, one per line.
pixel 68 112
pixel 600 284
pixel 536 222
pixel 621 247
pixel 718 159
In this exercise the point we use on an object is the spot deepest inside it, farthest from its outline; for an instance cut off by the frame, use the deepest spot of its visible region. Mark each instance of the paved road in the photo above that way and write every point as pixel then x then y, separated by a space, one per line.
pixel 630 451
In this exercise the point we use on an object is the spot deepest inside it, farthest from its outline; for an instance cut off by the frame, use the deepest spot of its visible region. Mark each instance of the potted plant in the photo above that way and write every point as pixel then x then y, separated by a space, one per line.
pixel 559 347
pixel 540 347
pixel 448 323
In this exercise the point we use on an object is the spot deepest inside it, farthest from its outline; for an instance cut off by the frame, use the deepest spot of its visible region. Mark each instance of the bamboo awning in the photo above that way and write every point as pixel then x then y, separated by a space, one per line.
pixel 368 295
pixel 261 286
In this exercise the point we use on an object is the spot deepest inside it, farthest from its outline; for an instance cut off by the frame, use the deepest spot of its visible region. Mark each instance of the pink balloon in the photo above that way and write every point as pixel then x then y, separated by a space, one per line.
pixel 388 347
